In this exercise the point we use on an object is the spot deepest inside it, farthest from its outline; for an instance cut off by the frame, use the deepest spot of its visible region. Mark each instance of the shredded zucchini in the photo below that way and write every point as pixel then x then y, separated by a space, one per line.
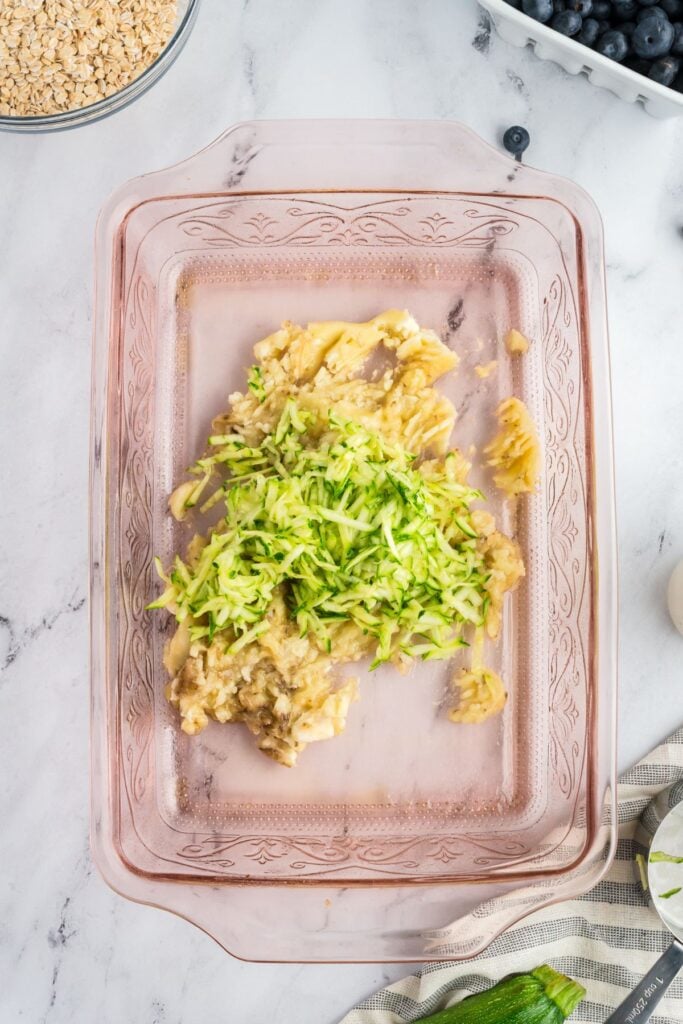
pixel 354 530
pixel 659 857
pixel 641 864
pixel 255 382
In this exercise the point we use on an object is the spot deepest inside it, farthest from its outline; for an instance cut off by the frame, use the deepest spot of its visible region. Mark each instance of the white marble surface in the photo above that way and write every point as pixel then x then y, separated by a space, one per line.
pixel 71 951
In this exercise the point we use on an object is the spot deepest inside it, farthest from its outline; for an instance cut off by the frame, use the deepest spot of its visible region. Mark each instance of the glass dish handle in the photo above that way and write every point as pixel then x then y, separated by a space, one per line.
pixel 354 155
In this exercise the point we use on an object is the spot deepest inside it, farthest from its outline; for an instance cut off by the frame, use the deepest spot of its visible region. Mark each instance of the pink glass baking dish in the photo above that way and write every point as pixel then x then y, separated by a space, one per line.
pixel 407 837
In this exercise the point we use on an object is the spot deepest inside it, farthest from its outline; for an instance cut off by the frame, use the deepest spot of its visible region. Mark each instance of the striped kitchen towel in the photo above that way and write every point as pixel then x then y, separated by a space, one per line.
pixel 606 939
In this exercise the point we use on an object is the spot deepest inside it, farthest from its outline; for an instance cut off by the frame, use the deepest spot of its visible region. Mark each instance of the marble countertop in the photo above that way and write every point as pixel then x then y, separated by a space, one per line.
pixel 71 951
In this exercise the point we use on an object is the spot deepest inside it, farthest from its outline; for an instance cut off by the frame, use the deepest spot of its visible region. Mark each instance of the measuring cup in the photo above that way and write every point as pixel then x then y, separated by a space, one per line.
pixel 663 878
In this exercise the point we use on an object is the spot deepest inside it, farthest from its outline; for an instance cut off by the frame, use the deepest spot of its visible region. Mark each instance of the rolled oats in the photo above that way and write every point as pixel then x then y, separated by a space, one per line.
pixel 59 55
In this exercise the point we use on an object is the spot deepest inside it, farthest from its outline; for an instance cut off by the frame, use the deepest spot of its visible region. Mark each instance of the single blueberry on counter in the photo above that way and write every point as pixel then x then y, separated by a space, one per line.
pixel 653 37
pixel 613 44
pixel 539 10
pixel 516 140
pixel 664 70
pixel 590 30
pixel 567 22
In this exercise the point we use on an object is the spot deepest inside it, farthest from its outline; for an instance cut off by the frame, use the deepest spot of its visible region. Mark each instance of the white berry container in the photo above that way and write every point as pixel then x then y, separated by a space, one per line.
pixel 519 29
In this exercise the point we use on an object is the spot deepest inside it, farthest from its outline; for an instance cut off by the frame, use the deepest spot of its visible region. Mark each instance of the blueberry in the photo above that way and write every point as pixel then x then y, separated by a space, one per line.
pixel 590 30
pixel 624 10
pixel 559 6
pixel 651 12
pixel 540 10
pixel 602 9
pixel 567 22
pixel 612 44
pixel 627 27
pixel 516 140
pixel 664 70
pixel 638 64
pixel 674 8
pixel 677 45
pixel 582 7
pixel 653 37
pixel 648 3
pixel 604 26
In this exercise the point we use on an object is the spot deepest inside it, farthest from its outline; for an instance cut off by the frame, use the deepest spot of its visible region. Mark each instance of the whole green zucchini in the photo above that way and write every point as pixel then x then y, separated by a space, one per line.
pixel 542 996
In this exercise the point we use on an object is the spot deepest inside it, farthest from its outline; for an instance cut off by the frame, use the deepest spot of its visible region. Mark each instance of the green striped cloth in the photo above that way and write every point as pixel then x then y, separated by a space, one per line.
pixel 606 939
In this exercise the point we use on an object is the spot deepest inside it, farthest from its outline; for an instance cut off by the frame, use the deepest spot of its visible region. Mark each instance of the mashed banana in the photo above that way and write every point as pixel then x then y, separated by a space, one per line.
pixel 516 343
pixel 319 367
pixel 252 645
pixel 482 695
pixel 280 686
pixel 514 453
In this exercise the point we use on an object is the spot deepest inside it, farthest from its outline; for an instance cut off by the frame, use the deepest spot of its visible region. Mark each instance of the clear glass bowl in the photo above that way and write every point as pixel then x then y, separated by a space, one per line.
pixel 407 837
pixel 187 13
